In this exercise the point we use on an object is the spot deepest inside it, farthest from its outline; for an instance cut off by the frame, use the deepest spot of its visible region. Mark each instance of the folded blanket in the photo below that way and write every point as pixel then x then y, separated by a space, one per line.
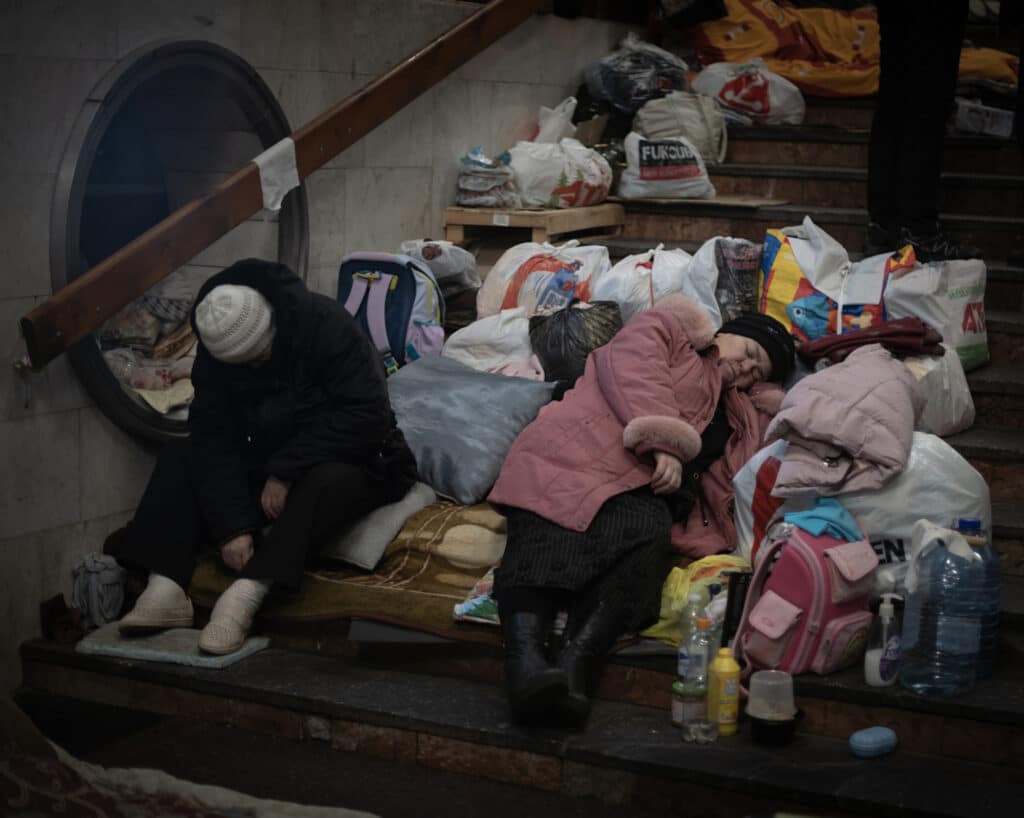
pixel 901 336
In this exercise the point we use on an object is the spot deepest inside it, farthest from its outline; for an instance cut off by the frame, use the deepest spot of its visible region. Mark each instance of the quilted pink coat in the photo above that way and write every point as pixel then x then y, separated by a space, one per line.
pixel 654 386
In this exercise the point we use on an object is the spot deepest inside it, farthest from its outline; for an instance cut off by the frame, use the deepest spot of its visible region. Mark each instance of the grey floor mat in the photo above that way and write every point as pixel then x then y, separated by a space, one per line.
pixel 179 646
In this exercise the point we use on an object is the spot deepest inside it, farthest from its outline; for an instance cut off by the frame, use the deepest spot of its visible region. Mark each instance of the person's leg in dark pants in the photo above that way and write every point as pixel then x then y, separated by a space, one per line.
pixel 886 142
pixel 534 687
pixel 626 599
pixel 164 538
pixel 329 496
pixel 933 61
pixel 920 58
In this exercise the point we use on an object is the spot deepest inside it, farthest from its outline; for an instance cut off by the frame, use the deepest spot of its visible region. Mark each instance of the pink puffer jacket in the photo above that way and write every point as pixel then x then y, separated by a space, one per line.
pixel 654 386
pixel 849 427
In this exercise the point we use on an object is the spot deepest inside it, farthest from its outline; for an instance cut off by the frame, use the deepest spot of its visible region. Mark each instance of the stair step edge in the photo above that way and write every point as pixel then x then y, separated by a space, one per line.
pixel 997 379
pixel 832 134
pixel 623 736
pixel 848 174
pixel 794 213
pixel 999 445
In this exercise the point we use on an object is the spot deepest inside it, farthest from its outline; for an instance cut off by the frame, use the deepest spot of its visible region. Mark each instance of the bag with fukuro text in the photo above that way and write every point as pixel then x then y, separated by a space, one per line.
pixel 666 168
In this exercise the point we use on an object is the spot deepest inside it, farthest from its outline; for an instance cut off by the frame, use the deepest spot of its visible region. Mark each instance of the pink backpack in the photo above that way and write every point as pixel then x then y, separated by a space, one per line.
pixel 806 608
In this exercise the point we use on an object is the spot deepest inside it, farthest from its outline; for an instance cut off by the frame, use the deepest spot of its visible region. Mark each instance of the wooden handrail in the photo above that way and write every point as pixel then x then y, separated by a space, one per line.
pixel 76 310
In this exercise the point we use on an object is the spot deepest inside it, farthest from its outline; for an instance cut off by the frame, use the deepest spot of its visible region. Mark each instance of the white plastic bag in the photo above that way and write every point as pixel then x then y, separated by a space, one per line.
pixel 669 168
pixel 696 117
pixel 753 90
pixel 937 484
pixel 452 266
pixel 948 405
pixel 492 342
pixel 636 282
pixel 565 174
pixel 949 296
pixel 555 124
pixel 535 275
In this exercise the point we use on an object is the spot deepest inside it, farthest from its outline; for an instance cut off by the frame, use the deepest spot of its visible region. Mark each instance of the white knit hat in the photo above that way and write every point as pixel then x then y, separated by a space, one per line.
pixel 235 323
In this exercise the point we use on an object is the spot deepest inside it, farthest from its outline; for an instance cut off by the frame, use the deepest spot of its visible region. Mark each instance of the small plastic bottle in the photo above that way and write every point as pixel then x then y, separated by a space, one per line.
pixel 724 693
pixel 883 654
pixel 696 725
pixel 687 625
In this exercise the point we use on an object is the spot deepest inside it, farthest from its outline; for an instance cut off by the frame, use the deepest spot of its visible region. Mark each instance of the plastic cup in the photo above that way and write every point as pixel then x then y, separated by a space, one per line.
pixel 771 696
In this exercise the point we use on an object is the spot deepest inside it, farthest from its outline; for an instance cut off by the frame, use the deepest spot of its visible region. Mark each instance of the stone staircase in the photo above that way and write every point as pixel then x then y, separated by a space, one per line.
pixel 419 700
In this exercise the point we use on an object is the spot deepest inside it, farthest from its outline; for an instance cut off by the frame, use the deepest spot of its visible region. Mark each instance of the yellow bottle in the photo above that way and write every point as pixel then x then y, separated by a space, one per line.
pixel 724 692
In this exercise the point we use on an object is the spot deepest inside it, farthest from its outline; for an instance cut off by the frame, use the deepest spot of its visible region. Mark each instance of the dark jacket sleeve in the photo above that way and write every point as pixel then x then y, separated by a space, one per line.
pixel 357 418
pixel 219 473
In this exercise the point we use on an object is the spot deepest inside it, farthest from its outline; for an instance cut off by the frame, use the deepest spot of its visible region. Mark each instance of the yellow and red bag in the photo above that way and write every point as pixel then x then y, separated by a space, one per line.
pixel 787 294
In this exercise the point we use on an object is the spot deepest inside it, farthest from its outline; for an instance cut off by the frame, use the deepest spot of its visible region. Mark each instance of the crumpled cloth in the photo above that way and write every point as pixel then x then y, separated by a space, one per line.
pixel 827 517
pixel 901 336
pixel 98 590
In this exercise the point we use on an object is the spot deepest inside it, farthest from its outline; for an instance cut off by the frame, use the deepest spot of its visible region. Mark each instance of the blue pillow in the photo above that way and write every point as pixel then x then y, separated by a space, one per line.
pixel 460 423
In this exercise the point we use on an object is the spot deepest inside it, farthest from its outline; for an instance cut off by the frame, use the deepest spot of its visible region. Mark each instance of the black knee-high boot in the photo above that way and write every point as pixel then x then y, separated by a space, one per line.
pixel 591 634
pixel 534 687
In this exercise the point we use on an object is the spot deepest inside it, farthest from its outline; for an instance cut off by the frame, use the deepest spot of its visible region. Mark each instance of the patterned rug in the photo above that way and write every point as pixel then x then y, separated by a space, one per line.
pixel 39 779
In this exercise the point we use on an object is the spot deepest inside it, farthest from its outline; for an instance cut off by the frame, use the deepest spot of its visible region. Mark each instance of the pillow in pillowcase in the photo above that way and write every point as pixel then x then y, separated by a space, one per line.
pixel 461 423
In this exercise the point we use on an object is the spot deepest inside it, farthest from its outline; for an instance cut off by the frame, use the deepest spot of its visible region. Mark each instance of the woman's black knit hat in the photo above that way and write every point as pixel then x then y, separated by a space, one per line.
pixel 771 335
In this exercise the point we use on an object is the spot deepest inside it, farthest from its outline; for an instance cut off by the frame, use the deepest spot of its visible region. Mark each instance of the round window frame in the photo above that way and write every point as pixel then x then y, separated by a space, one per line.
pixel 100 108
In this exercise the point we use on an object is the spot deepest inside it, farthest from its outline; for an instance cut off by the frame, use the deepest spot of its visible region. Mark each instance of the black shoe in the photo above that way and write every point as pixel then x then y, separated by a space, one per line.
pixel 534 687
pixel 586 646
pixel 878 240
pixel 937 246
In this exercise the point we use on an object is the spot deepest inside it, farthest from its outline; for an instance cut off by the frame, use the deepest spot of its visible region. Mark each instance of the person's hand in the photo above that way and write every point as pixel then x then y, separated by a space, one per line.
pixel 668 473
pixel 237 552
pixel 275 492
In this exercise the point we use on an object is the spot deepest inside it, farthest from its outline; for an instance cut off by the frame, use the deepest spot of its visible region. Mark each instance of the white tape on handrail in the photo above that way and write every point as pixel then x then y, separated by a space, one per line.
pixel 278 172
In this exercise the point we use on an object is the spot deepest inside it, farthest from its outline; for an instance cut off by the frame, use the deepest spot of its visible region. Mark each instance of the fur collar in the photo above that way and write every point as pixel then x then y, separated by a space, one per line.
pixel 694 320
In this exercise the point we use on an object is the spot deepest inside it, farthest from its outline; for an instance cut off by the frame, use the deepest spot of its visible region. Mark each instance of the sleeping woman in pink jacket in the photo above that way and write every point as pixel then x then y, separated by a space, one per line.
pixel 637 458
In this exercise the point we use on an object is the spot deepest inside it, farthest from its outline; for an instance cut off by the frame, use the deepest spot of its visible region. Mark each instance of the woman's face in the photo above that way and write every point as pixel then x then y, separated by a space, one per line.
pixel 741 360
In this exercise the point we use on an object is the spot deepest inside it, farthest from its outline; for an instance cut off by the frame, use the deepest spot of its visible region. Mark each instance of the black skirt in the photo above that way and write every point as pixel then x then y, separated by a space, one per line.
pixel 623 557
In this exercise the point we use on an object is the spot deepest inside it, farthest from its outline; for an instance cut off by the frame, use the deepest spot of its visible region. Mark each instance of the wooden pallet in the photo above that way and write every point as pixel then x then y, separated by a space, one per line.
pixel 545 225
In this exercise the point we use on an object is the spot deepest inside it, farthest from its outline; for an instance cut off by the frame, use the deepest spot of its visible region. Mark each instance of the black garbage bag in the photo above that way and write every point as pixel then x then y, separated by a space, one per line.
pixel 634 74
pixel 563 339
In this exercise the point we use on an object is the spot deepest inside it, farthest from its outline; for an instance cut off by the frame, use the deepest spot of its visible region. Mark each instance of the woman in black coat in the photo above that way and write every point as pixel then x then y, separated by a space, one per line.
pixel 290 427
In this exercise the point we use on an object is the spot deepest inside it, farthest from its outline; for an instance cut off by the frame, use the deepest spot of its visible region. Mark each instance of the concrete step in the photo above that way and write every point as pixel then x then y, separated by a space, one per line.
pixel 998 392
pixel 695 220
pixel 998 454
pixel 1008 539
pixel 847 186
pixel 848 147
pixel 1005 336
pixel 627 753
pixel 853 113
pixel 1005 287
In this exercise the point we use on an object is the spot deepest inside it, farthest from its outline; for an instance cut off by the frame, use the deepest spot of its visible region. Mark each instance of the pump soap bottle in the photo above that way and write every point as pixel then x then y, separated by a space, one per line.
pixel 883 654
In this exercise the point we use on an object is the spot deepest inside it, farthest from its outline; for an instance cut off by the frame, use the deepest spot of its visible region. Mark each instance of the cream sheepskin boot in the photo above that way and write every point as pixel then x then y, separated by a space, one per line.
pixel 164 604
pixel 232 616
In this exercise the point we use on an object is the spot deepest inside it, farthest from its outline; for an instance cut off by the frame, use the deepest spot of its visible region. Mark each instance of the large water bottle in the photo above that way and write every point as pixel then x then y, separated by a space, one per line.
pixel 942 622
pixel 977 537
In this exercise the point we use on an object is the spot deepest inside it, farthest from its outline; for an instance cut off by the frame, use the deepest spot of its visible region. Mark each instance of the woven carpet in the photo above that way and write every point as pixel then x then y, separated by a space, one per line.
pixel 430 566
